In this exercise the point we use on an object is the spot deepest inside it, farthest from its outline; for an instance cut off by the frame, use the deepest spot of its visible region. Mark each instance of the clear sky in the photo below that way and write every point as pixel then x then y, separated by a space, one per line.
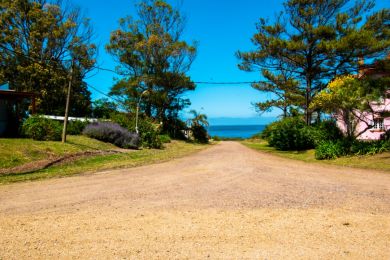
pixel 221 27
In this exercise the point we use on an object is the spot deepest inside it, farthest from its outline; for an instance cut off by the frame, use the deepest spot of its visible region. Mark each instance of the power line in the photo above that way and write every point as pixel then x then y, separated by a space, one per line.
pixel 122 74
pixel 196 82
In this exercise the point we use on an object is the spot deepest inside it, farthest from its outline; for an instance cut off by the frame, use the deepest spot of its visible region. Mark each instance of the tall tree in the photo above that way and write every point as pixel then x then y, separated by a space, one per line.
pixel 317 40
pixel 285 89
pixel 154 58
pixel 39 41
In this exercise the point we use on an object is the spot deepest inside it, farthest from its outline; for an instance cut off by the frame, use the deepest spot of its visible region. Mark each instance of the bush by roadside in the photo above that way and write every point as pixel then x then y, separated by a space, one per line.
pixel 289 134
pixel 42 129
pixel 76 127
pixel 112 133
pixel 336 149
pixel 148 131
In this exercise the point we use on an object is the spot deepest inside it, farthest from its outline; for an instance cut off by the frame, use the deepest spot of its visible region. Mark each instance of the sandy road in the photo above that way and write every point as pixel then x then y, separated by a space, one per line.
pixel 226 202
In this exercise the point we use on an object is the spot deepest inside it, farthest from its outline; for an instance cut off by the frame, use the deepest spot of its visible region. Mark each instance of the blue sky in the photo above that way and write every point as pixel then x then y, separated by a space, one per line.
pixel 221 27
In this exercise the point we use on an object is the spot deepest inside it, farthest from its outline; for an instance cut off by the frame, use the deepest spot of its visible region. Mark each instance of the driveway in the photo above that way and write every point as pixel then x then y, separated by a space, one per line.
pixel 226 202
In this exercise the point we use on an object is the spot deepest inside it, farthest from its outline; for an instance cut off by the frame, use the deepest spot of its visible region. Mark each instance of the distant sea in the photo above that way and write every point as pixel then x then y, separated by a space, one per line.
pixel 235 131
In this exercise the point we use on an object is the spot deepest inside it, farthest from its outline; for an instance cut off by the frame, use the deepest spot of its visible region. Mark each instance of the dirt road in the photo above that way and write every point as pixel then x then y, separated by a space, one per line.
pixel 226 202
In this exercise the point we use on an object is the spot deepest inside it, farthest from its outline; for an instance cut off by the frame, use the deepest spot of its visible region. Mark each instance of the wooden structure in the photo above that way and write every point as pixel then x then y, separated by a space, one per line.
pixel 9 98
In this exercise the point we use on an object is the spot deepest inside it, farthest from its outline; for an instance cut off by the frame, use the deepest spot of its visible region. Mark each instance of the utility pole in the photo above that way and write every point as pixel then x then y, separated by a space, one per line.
pixel 137 111
pixel 67 104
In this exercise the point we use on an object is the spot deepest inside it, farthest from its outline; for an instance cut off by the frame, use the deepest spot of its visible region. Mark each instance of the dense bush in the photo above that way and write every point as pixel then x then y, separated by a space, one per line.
pixel 42 129
pixel 369 148
pixel 329 150
pixel 335 149
pixel 290 134
pixel 266 133
pixel 200 134
pixel 174 128
pixel 76 127
pixel 165 139
pixel 148 131
pixel 325 131
pixel 112 133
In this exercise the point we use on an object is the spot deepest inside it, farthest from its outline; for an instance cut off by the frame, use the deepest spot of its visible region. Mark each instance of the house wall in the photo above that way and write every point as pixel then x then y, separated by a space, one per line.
pixel 368 120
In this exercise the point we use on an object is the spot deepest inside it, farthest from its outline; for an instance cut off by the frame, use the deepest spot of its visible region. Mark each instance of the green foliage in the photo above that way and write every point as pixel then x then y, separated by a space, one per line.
pixel 266 133
pixel 216 138
pixel 37 40
pixel 76 127
pixel 200 134
pixel 285 89
pixel 314 41
pixel 103 108
pixel 290 134
pixel 346 95
pixel 325 131
pixel 199 124
pixel 165 139
pixel 155 58
pixel 335 149
pixel 42 129
pixel 174 128
pixel 329 150
pixel 149 131
pixel 369 148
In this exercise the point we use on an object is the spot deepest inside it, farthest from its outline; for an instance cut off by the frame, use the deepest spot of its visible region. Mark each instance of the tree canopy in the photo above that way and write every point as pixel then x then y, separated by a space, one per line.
pixel 153 57
pixel 317 41
pixel 39 41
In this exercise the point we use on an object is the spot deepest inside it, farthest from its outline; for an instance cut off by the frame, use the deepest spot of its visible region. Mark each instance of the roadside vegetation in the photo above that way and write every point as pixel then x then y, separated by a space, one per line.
pixel 81 155
pixel 375 162
pixel 309 56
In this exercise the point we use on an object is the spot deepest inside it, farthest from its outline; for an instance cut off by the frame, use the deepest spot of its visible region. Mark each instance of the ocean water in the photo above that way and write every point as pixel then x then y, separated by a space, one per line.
pixel 235 131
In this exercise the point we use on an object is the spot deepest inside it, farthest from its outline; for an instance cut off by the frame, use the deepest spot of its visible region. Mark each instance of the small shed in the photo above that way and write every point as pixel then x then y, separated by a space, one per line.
pixel 9 99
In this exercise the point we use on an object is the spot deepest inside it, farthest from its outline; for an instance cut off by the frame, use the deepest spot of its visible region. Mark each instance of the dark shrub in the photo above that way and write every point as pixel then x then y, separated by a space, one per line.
pixel 76 127
pixel 174 128
pixel 42 129
pixel 325 131
pixel 369 148
pixel 386 136
pixel 200 134
pixel 217 138
pixel 329 150
pixel 290 134
pixel 148 131
pixel 112 133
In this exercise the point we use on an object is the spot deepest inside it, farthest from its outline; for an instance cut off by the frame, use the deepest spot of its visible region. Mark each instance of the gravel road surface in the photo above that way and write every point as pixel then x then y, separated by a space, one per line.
pixel 226 202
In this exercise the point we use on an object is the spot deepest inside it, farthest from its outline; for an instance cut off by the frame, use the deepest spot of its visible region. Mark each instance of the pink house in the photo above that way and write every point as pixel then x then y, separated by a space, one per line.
pixel 370 125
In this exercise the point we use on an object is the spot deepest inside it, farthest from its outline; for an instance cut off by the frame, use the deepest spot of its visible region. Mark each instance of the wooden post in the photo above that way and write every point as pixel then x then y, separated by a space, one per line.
pixel 67 105
pixel 34 107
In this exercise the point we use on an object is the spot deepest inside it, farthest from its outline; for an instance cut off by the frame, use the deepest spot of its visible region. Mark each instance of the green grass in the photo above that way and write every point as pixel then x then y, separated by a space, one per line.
pixel 22 149
pixel 374 162
pixel 15 152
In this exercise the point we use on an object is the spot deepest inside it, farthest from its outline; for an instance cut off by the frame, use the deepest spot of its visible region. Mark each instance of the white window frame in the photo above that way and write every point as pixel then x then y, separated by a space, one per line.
pixel 379 124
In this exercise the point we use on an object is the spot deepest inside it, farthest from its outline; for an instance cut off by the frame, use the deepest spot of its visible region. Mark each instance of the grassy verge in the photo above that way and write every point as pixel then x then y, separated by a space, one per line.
pixel 96 163
pixel 15 152
pixel 374 162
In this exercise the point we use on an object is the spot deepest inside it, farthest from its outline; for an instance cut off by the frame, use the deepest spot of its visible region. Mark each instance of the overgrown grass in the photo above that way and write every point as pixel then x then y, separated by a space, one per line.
pixel 131 158
pixel 375 162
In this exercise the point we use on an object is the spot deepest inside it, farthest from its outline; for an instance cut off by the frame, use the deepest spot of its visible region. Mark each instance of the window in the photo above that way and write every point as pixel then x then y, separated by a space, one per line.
pixel 379 124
